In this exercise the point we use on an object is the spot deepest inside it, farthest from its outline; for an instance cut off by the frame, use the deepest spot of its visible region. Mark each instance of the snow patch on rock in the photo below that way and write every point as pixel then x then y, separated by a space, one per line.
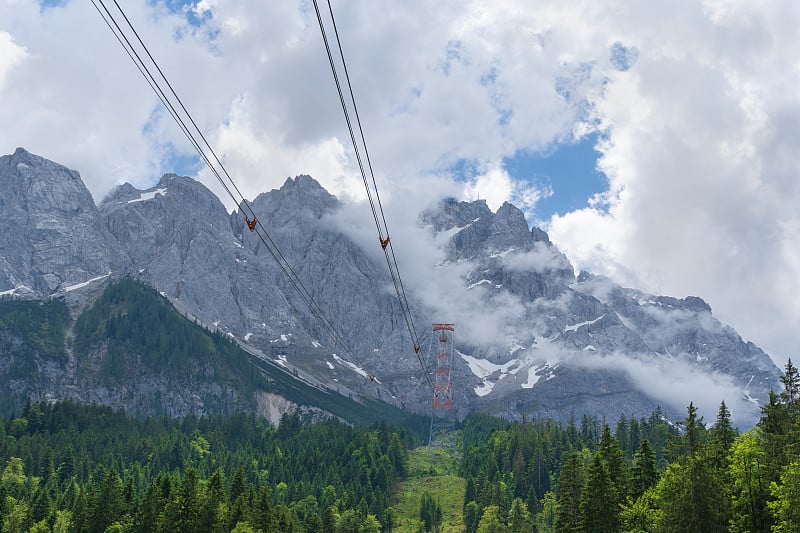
pixel 148 196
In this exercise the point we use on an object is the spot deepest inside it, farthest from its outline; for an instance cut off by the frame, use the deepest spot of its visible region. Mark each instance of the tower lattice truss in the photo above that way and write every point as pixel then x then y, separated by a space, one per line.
pixel 442 387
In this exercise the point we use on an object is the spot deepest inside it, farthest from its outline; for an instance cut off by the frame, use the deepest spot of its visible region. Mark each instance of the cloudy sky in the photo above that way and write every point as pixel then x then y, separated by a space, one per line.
pixel 657 142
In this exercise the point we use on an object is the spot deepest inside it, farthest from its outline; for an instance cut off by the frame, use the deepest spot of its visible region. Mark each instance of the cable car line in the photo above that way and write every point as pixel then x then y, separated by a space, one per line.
pixel 151 81
pixel 385 243
pixel 241 202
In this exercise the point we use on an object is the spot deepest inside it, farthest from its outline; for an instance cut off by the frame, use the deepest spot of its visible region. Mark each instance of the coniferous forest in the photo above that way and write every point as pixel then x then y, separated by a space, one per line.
pixel 71 467
pixel 648 476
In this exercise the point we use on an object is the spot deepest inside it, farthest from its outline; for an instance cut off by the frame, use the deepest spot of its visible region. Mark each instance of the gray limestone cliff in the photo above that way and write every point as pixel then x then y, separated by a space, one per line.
pixel 53 235
pixel 564 344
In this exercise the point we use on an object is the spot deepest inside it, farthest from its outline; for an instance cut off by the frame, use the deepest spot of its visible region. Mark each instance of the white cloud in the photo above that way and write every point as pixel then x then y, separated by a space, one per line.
pixel 267 161
pixel 495 185
pixel 702 157
pixel 483 317
pixel 540 259
pixel 678 384
pixel 10 54
pixel 702 132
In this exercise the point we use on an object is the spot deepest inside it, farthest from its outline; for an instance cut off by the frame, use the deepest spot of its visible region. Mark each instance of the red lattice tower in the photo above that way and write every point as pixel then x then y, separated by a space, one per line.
pixel 442 390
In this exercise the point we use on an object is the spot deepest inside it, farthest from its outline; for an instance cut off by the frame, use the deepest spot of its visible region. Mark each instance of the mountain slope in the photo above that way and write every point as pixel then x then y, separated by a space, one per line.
pixel 131 349
pixel 532 338
pixel 586 342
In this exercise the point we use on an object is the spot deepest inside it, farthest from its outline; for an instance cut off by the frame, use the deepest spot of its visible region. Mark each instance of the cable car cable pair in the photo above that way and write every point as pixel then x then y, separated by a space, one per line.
pixel 252 223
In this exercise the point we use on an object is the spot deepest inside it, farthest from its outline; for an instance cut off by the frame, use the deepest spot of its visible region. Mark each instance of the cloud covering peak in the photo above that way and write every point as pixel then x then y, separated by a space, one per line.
pixel 694 106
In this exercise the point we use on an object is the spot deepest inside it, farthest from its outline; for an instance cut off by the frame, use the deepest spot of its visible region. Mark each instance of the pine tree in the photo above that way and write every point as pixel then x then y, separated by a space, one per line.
pixel 107 504
pixel 694 431
pixel 182 512
pixel 635 435
pixel 470 494
pixel 262 515
pixel 643 472
pixel 369 524
pixel 389 518
pixel 212 512
pixel 623 435
pixel 775 425
pixel 330 518
pixel 598 506
pixel 519 518
pixel 490 521
pixel 614 459
pixel 238 485
pixel 723 433
pixel 570 487
pixel 41 506
pixel 546 518
pixel 791 384
pixel 643 515
pixel 150 507
pixel 472 515
pixel 693 492
pixel 430 512
pixel 63 522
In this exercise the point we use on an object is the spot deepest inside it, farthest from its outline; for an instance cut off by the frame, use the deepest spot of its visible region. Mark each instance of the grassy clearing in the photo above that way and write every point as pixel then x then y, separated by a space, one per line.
pixel 434 470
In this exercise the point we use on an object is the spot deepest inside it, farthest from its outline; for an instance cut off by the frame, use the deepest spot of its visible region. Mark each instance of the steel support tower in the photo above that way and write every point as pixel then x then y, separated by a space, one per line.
pixel 442 421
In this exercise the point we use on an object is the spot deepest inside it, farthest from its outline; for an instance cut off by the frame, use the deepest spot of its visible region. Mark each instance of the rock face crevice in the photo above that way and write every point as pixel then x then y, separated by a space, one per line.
pixel 560 344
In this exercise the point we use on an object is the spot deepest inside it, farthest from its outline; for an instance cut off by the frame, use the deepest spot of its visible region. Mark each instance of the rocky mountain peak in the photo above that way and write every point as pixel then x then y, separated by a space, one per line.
pixel 303 182
pixel 21 155
pixel 544 344
pixel 122 193
pixel 451 213
pixel 540 235
pixel 31 180
pixel 179 197
pixel 300 196
pixel 509 229
pixel 49 220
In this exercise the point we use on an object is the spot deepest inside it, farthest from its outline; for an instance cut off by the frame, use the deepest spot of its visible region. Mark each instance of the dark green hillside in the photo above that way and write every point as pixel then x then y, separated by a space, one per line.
pixel 145 335
pixel 31 345
pixel 131 333
pixel 132 349
pixel 40 324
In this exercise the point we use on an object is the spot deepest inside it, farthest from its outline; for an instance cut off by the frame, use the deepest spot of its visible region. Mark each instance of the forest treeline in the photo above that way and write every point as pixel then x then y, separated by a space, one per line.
pixel 75 468
pixel 68 467
pixel 649 476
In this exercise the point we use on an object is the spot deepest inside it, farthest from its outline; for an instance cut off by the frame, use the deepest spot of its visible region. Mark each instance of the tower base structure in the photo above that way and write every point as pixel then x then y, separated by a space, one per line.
pixel 443 419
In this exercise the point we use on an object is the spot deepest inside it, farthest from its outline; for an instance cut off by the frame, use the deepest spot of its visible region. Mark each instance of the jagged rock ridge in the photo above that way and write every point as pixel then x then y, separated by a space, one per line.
pixel 564 344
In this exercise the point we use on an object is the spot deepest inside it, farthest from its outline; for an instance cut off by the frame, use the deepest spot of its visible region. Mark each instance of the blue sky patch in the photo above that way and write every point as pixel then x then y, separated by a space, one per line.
pixel 569 170
pixel 47 4
pixel 183 164
pixel 623 57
